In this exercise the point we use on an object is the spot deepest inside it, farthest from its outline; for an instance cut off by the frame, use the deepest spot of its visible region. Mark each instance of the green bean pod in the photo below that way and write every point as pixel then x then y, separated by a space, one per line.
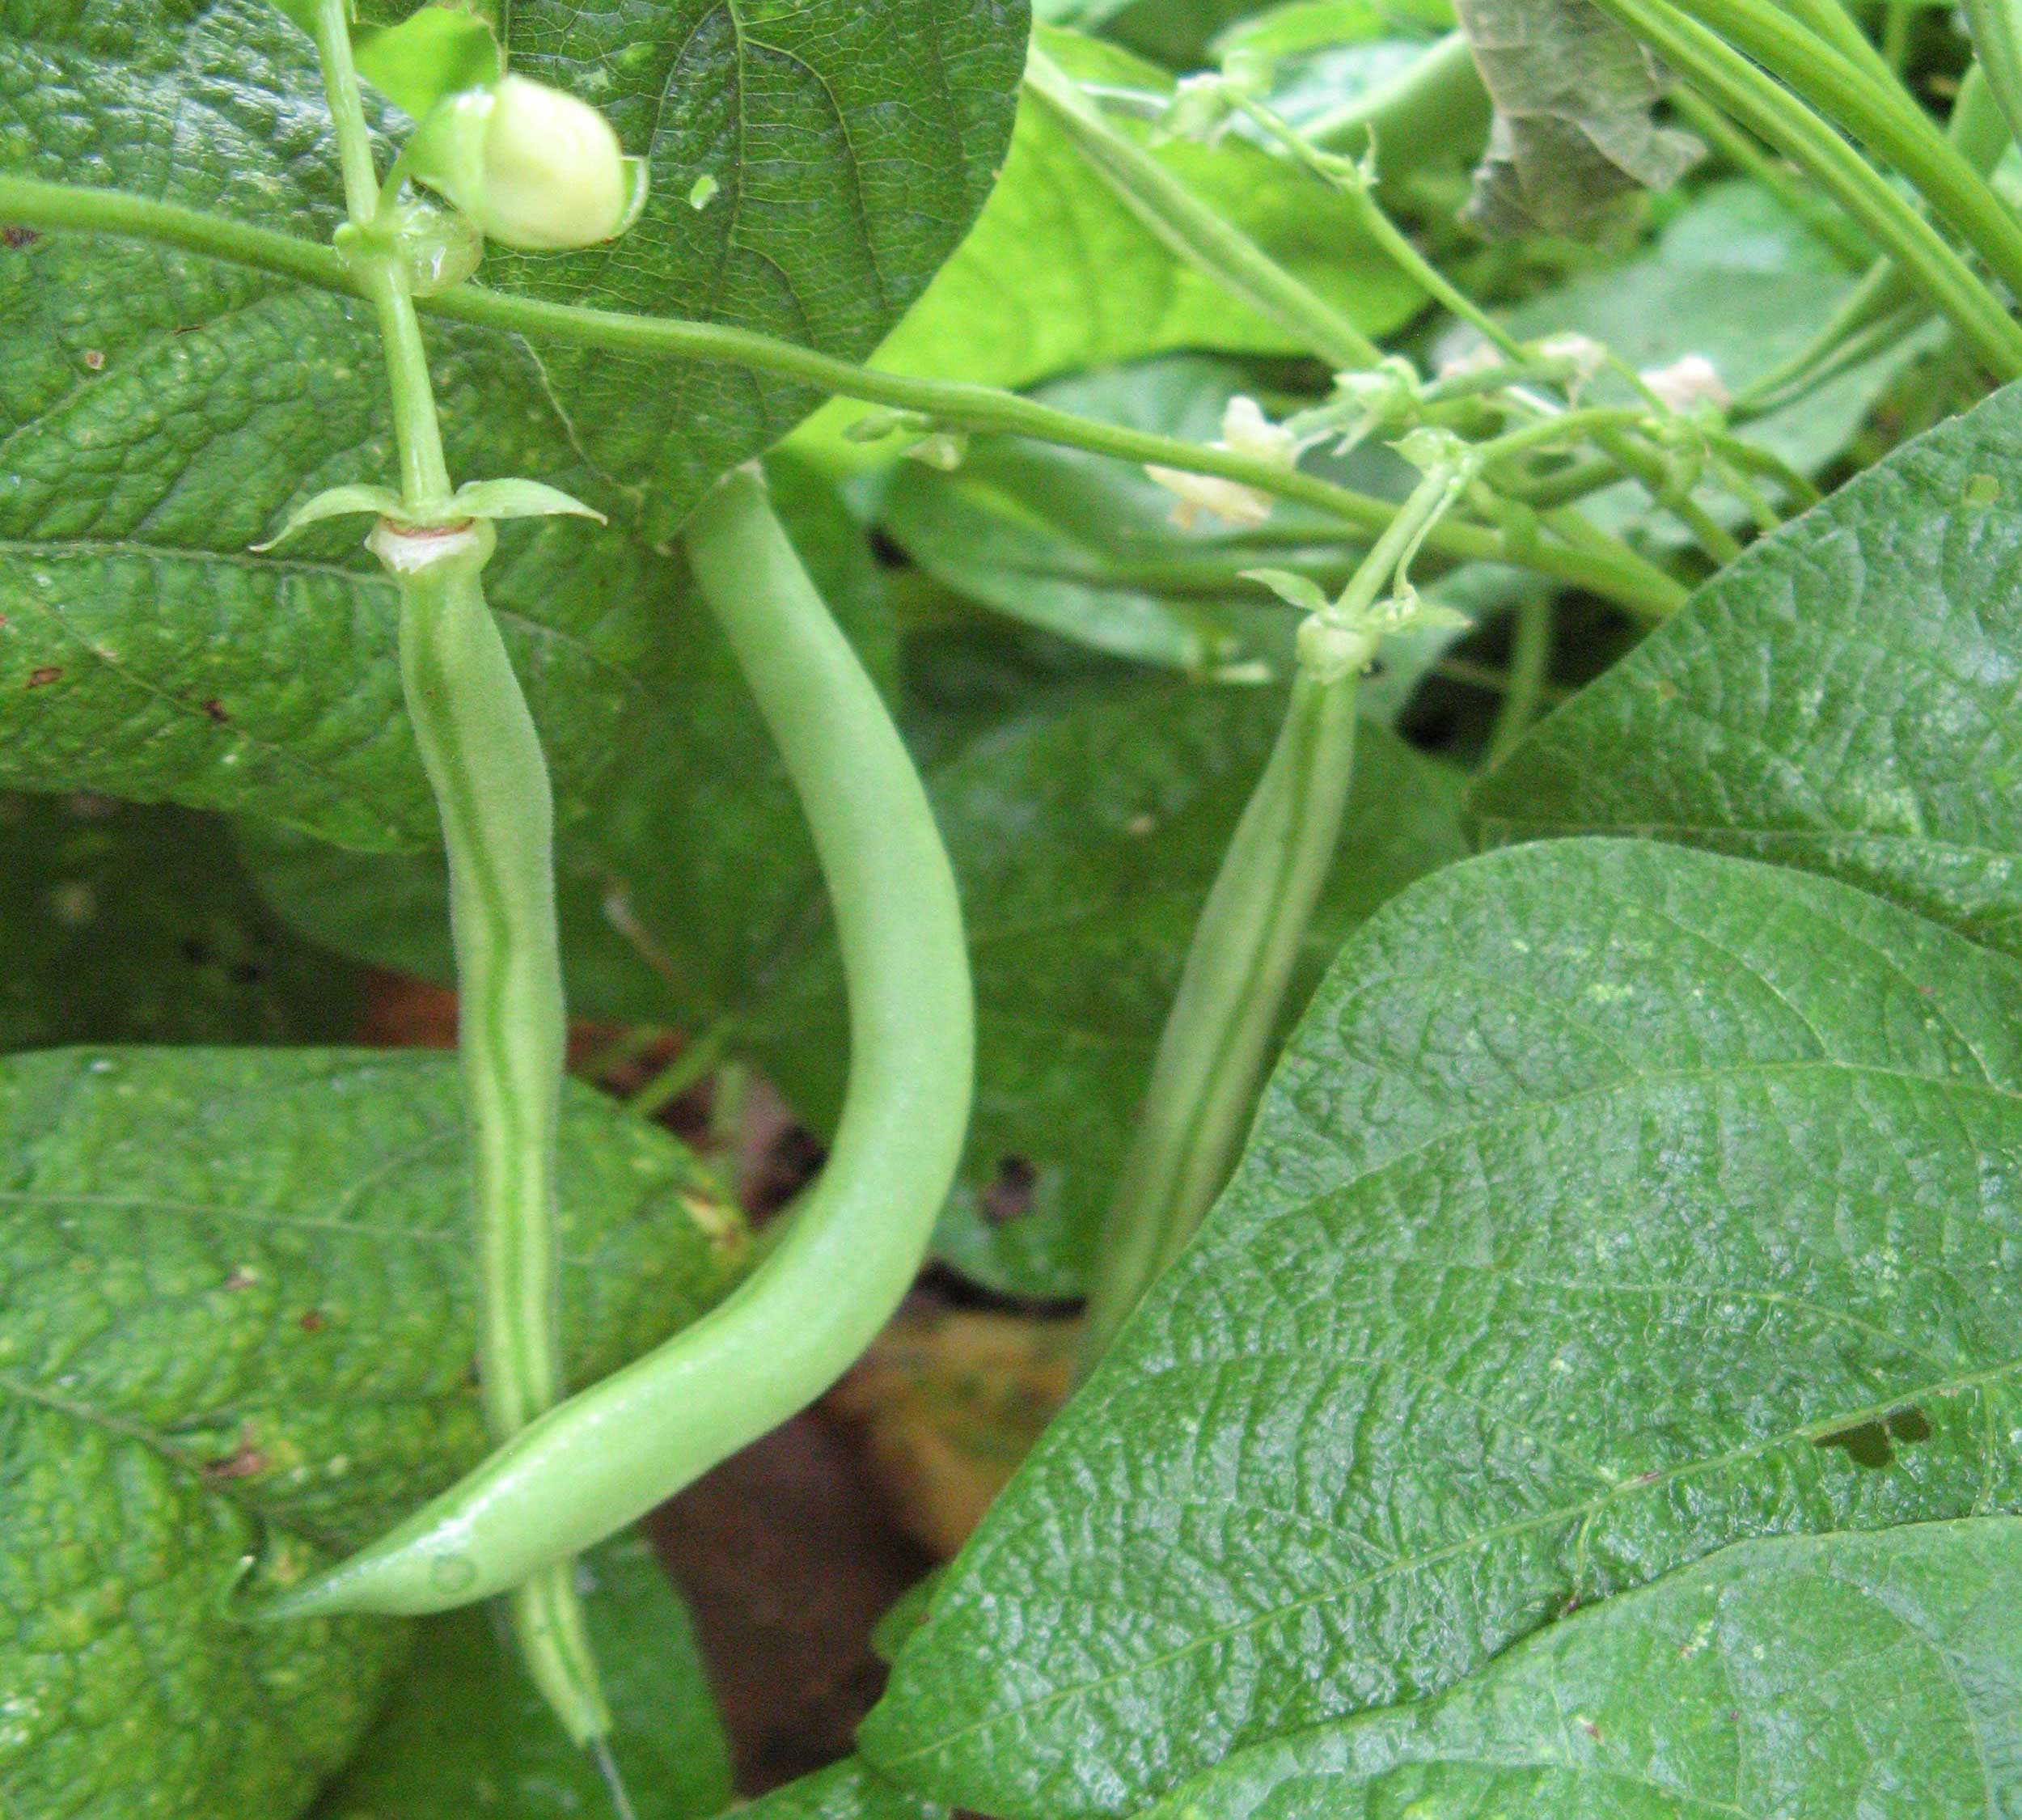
pixel 606 1457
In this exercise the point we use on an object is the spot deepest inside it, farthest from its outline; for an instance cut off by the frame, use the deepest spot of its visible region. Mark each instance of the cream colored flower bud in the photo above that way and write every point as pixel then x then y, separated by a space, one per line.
pixel 532 167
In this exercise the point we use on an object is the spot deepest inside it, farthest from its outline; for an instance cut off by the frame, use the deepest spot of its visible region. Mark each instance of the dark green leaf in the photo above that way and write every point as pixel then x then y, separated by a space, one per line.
pixel 1895 1658
pixel 1603 1186
pixel 1842 699
pixel 466 1732
pixel 130 924
pixel 236 1320
pixel 1575 140
pixel 163 413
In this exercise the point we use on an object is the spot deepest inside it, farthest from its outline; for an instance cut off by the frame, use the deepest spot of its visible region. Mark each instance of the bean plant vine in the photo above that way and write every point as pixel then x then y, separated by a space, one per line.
pixel 1322 1524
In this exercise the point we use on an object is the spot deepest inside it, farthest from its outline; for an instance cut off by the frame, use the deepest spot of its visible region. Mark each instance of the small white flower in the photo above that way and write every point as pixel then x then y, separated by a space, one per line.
pixel 1582 353
pixel 1484 357
pixel 1686 385
pixel 1246 431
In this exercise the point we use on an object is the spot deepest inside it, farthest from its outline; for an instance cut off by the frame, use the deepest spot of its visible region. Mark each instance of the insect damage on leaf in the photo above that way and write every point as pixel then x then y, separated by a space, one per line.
pixel 1575 141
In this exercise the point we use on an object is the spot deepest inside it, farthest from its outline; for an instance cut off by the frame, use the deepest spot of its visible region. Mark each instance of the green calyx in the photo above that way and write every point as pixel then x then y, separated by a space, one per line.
pixel 479 500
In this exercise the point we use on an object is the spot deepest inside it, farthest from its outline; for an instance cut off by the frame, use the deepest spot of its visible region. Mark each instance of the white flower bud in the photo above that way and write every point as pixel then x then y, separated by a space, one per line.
pixel 1687 384
pixel 1244 430
pixel 533 167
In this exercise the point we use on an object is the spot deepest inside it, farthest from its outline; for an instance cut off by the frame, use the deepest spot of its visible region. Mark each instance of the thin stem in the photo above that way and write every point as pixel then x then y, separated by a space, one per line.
pixel 424 483
pixel 1348 180
pixel 1899 20
pixel 1636 586
pixel 1773 114
pixel 1529 671
pixel 483 759
pixel 694 1065
pixel 1198 234
pixel 851 1250
pixel 1217 1037
pixel 1979 131
pixel 1433 104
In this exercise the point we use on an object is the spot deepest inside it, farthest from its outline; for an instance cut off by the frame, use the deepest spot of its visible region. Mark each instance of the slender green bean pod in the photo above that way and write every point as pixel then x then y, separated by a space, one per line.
pixel 483 759
pixel 1996 26
pixel 1882 116
pixel 1217 1038
pixel 609 1454
pixel 1775 115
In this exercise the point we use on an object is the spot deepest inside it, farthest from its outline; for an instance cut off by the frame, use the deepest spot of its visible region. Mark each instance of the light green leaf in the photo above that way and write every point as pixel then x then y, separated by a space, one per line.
pixel 237 1319
pixel 1575 139
pixel 1604 1189
pixel 466 1732
pixel 127 925
pixel 1842 699
pixel 164 412
pixel 1060 276
pixel 1895 1658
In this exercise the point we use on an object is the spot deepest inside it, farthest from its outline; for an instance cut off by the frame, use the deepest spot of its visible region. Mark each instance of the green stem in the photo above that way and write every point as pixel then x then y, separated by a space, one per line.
pixel 609 1454
pixel 1530 671
pixel 1432 106
pixel 1774 115
pixel 1198 234
pixel 1347 179
pixel 483 756
pixel 1636 586
pixel 1996 26
pixel 1217 1037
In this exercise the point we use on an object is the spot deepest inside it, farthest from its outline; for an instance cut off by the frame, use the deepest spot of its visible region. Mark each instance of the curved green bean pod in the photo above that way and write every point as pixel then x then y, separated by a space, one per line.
pixel 609 1454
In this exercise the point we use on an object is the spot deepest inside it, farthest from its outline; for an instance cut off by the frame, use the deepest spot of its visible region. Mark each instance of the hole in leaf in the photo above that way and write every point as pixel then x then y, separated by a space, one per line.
pixel 1872 1444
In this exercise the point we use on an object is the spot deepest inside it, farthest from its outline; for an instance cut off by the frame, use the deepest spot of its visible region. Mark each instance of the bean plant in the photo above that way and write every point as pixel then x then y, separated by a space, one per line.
pixel 1336 682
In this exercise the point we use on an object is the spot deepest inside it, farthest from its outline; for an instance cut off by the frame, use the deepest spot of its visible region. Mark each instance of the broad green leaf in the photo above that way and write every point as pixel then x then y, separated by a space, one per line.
pixel 1842 699
pixel 847 1790
pixel 1084 829
pixel 162 413
pixel 1086 548
pixel 1060 276
pixel 1606 1199
pixel 237 1323
pixel 1575 140
pixel 466 1732
pixel 127 925
pixel 1895 1659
